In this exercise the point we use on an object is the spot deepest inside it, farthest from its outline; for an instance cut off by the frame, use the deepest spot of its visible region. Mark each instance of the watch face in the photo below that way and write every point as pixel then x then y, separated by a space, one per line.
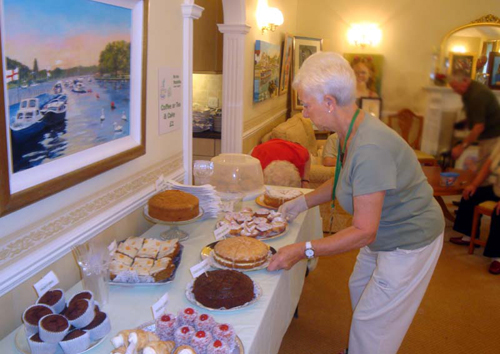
pixel 309 253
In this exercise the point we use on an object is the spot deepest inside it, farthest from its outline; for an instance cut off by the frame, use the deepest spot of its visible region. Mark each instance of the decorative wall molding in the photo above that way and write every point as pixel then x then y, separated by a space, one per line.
pixel 232 85
pixel 24 253
pixel 256 124
pixel 190 12
pixel 487 19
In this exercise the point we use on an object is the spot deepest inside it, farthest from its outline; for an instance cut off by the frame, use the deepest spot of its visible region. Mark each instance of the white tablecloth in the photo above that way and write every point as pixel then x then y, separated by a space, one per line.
pixel 260 326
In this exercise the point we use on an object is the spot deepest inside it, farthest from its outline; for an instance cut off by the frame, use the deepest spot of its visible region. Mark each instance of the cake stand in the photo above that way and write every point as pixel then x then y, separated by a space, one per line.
pixel 174 232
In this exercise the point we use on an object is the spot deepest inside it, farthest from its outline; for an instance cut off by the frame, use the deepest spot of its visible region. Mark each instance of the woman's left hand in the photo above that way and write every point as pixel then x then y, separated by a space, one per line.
pixel 286 257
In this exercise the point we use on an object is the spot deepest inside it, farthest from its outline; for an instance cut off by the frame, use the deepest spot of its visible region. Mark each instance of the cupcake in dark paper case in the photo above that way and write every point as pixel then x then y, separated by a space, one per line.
pixel 75 342
pixel 54 299
pixel 38 346
pixel 99 327
pixel 32 316
pixel 86 294
pixel 80 313
pixel 53 328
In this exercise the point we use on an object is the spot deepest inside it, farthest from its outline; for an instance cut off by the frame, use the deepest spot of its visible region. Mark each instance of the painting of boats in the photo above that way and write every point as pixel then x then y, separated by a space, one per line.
pixel 266 70
pixel 71 89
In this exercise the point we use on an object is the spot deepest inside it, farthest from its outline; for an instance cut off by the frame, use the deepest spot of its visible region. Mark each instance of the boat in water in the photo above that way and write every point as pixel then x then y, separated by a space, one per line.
pixel 28 121
pixel 58 88
pixel 78 87
pixel 54 111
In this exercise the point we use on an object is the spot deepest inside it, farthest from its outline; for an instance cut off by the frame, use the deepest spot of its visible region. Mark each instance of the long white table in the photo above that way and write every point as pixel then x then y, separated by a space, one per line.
pixel 260 326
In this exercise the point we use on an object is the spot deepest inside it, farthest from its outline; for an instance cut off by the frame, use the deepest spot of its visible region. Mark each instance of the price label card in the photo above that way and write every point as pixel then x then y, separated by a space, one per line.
pixel 221 232
pixel 200 268
pixel 112 247
pixel 160 182
pixel 46 283
pixel 159 307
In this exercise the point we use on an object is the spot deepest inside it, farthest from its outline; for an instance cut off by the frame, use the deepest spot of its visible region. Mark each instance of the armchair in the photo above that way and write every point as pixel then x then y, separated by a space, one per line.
pixel 299 130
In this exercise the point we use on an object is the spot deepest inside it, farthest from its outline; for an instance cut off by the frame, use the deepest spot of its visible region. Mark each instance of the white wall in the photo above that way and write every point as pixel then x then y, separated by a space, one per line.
pixel 411 31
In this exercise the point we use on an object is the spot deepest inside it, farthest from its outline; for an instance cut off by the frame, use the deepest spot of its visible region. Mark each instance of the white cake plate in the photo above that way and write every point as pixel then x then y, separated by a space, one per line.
pixel 174 232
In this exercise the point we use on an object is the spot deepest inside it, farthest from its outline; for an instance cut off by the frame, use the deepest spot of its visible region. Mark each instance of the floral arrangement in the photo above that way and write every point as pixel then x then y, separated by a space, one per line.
pixel 439 79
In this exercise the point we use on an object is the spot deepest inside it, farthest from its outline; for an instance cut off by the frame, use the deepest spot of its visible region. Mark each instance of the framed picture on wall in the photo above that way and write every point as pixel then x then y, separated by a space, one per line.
pixel 72 95
pixel 463 61
pixel 368 71
pixel 372 105
pixel 494 70
pixel 303 48
pixel 266 70
pixel 286 64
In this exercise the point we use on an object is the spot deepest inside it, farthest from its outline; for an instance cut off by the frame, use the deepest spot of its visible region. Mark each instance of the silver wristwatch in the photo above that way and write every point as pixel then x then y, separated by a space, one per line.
pixel 309 252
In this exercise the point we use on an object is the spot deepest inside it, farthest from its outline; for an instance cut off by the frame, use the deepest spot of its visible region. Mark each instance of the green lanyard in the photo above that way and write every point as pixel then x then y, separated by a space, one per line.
pixel 338 165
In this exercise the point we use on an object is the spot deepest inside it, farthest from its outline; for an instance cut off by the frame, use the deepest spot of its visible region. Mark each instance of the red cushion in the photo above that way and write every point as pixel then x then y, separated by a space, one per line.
pixel 277 149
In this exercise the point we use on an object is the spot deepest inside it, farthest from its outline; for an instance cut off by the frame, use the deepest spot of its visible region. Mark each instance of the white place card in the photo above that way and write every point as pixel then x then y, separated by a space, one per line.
pixel 46 283
pixel 200 268
pixel 112 247
pixel 158 308
pixel 221 232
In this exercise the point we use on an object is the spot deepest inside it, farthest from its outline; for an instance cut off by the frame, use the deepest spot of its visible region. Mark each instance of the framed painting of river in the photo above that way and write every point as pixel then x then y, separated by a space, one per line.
pixel 72 93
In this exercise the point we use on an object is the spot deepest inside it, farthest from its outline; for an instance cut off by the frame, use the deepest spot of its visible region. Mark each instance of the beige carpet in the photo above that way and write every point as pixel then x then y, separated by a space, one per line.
pixel 460 312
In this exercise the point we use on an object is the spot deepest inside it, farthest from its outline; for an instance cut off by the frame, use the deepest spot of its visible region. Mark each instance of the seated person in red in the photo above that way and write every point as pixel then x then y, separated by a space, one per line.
pixel 282 150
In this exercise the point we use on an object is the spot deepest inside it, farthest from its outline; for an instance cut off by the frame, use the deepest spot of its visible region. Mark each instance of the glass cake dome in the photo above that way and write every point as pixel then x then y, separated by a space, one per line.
pixel 237 173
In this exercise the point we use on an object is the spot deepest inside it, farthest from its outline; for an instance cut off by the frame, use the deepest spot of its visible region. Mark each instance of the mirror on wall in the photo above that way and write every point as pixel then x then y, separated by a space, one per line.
pixel 473 48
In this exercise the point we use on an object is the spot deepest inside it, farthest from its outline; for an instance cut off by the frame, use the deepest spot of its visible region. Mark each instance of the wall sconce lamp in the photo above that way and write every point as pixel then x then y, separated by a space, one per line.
pixel 459 49
pixel 364 34
pixel 272 18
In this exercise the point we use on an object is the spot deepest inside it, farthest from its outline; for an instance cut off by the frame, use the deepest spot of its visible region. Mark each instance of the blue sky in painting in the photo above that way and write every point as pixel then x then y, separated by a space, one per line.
pixel 66 26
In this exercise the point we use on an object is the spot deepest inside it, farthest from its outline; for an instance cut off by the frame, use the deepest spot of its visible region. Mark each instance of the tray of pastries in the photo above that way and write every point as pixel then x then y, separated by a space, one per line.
pixel 188 332
pixel 145 261
pixel 262 224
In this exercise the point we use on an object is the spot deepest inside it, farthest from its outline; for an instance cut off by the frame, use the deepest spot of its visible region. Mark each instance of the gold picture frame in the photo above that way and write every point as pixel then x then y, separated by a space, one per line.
pixel 462 61
pixel 127 117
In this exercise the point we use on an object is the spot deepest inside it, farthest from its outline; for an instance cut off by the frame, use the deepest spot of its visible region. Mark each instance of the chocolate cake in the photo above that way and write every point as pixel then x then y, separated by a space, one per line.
pixel 98 319
pixel 76 309
pixel 51 297
pixel 54 323
pixel 35 313
pixel 74 334
pixel 223 289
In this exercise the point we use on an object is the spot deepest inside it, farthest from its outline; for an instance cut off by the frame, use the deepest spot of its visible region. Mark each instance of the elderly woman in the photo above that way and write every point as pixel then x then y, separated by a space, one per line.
pixel 397 224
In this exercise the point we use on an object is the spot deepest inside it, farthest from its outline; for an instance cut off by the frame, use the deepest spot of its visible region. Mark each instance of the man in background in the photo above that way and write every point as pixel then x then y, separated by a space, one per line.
pixel 482 115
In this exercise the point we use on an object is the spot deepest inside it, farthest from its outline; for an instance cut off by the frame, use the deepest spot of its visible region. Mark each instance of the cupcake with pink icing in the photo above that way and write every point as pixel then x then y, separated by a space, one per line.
pixel 225 332
pixel 165 327
pixel 218 347
pixel 187 316
pixel 183 335
pixel 200 341
pixel 204 322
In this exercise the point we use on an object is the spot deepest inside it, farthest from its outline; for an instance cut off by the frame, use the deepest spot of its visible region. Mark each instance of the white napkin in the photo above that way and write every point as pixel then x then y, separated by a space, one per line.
pixel 208 196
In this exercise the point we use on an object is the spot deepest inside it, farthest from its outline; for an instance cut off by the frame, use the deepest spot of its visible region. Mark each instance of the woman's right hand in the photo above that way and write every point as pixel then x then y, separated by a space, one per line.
pixel 291 209
pixel 469 191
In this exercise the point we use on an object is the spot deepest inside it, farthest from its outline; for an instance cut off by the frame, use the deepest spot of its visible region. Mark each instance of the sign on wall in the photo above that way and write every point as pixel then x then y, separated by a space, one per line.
pixel 169 100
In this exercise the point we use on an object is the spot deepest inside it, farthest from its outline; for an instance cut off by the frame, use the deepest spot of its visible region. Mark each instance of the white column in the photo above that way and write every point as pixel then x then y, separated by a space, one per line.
pixel 232 86
pixel 190 12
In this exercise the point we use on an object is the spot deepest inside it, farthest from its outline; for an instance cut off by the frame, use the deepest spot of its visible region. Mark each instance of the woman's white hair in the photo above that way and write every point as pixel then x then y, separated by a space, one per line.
pixel 327 73
pixel 282 173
